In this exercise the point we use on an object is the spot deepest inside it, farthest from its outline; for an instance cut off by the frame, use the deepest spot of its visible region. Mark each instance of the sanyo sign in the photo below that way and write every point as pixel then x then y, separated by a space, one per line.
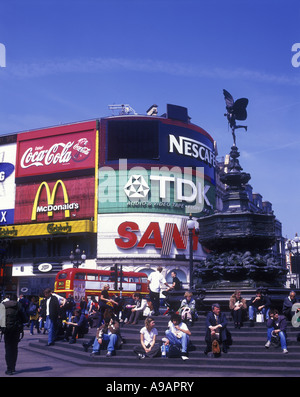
pixel 2 56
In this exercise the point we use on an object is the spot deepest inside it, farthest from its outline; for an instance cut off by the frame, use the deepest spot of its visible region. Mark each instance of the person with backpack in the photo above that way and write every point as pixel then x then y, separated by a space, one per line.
pixel 13 330
pixel 33 315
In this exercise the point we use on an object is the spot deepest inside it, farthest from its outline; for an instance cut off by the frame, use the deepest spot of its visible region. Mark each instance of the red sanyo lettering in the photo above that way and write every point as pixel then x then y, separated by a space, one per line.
pixel 152 236
pixel 126 231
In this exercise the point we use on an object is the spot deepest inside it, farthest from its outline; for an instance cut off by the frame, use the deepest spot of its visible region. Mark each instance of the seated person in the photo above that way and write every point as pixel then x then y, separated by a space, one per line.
pixel 176 284
pixel 187 308
pixel 78 326
pixel 288 304
pixel 178 334
pixel 259 303
pixel 107 336
pixel 148 347
pixel 216 330
pixel 149 310
pixel 277 327
pixel 137 309
pixel 238 307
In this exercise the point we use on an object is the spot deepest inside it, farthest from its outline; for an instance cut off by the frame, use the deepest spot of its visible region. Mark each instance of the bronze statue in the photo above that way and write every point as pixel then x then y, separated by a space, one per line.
pixel 236 110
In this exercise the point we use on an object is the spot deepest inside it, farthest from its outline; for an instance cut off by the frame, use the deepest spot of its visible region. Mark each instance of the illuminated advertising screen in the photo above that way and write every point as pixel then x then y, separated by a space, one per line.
pixel 155 165
pixel 7 183
pixel 57 200
pixel 55 150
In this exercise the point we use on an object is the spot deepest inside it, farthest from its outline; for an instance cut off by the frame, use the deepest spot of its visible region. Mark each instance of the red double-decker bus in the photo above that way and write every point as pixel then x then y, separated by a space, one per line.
pixel 80 282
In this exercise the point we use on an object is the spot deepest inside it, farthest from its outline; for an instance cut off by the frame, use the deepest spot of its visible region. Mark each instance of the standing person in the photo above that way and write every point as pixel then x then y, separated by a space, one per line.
pixel 148 347
pixel 14 318
pixel 277 328
pixel 69 307
pixel 155 279
pixel 52 313
pixel 105 302
pixel 33 312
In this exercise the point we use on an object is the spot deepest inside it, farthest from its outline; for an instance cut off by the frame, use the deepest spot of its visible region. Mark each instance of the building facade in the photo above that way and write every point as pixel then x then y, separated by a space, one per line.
pixel 122 188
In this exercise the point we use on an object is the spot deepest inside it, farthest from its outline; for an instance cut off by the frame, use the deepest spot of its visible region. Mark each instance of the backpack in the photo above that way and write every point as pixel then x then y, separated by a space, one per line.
pixel 13 322
pixel 174 352
pixel 32 309
pixel 2 316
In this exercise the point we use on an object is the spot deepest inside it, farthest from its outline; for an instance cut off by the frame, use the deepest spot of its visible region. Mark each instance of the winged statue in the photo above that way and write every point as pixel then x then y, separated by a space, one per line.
pixel 236 110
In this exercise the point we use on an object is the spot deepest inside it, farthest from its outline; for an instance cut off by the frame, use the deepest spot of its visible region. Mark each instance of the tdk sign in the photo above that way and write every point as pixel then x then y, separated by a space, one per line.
pixel 6 169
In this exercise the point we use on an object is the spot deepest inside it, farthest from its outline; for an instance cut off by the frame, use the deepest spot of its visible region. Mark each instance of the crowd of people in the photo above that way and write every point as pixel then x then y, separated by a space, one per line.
pixel 103 319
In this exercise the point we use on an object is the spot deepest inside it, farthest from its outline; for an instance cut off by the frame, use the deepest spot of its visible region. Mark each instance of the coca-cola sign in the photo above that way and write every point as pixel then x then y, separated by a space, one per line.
pixel 56 153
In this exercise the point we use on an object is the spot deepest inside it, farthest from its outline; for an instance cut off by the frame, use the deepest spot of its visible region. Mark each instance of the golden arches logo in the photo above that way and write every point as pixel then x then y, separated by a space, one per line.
pixel 50 199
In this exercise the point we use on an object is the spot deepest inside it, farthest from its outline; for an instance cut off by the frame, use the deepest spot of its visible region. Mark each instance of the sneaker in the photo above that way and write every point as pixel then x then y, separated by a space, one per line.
pixel 284 351
pixel 184 357
pixel 164 340
pixel 268 344
pixel 108 354
pixel 141 356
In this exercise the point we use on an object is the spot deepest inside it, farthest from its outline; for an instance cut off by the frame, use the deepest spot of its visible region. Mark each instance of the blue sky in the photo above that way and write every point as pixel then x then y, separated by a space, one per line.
pixel 68 60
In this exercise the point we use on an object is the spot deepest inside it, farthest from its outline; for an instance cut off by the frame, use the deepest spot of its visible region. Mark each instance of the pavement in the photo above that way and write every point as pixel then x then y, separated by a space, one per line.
pixel 32 363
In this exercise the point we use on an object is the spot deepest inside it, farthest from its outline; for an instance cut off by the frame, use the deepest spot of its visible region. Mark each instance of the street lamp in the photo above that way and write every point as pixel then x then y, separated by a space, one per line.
pixel 295 268
pixel 191 226
pixel 77 259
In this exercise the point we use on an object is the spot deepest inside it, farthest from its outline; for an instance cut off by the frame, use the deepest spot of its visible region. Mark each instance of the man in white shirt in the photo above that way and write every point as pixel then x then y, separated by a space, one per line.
pixel 178 334
pixel 155 279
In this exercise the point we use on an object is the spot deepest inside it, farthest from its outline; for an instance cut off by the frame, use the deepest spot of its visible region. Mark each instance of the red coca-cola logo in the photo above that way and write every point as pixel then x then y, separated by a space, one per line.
pixel 57 153
pixel 81 150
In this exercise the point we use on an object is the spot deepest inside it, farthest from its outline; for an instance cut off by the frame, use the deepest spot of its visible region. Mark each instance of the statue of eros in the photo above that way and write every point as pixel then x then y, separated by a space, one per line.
pixel 236 110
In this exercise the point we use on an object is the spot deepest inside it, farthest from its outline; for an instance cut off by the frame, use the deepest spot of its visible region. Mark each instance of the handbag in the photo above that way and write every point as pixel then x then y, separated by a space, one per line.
pixel 259 318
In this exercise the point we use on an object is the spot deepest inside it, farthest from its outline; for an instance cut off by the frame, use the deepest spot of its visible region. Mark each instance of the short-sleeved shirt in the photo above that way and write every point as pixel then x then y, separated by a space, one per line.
pixel 175 330
pixel 156 279
pixel 148 336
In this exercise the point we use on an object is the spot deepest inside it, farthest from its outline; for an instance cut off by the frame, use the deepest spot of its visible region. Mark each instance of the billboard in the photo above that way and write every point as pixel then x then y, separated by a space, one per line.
pixel 7 183
pixel 145 236
pixel 56 150
pixel 55 200
pixel 172 190
pixel 155 165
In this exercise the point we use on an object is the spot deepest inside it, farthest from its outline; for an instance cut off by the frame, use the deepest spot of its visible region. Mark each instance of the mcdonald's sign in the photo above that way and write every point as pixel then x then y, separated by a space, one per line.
pixel 59 200
pixel 51 207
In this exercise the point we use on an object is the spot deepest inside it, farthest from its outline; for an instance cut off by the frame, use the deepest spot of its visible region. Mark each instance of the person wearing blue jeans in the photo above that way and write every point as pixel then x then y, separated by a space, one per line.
pixel 277 327
pixel 107 334
pixel 52 312
pixel 111 339
pixel 259 303
pixel 178 334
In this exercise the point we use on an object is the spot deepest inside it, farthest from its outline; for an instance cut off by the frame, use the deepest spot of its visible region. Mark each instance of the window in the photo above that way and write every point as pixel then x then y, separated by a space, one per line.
pixel 79 276
pixel 62 276
pixel 92 277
